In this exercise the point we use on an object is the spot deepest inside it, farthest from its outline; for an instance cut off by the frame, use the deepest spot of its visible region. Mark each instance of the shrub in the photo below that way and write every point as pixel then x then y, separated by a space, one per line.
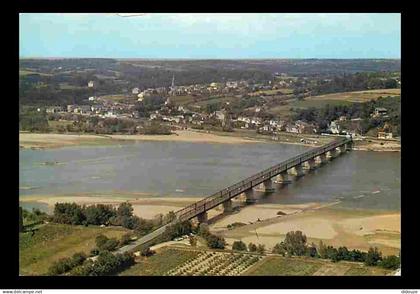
pixel 261 248
pixel 373 256
pixel 193 241
pixel 295 243
pixel 252 247
pixel 60 266
pixel 239 246
pixel 106 264
pixel 125 239
pixel 390 262
pixel 103 243
pixel 215 242
pixel 147 252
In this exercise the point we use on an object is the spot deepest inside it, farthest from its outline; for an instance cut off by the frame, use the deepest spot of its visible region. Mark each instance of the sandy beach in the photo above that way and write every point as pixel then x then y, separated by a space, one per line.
pixel 40 141
pixel 356 229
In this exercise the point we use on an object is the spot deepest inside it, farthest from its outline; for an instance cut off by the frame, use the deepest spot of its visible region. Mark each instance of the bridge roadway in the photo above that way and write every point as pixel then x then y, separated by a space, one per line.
pixel 232 191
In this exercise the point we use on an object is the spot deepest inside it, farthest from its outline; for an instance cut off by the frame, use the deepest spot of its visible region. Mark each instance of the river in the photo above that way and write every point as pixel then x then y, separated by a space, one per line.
pixel 359 179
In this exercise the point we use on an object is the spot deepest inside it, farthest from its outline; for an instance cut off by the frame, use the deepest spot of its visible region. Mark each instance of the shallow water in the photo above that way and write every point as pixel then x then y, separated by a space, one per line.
pixel 359 179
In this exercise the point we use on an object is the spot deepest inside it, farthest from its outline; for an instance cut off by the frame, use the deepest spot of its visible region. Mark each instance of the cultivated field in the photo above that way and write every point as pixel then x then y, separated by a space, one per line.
pixel 175 261
pixel 51 242
pixel 216 264
pixel 358 96
pixel 160 263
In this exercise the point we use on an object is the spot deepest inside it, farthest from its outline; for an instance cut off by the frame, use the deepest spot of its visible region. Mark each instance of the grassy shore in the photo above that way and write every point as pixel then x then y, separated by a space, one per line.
pixel 51 242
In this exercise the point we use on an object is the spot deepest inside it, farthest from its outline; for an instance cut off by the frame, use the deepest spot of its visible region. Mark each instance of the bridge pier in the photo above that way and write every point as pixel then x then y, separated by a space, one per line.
pixel 297 170
pixel 322 159
pixel 250 196
pixel 342 149
pixel 349 145
pixel 227 206
pixel 283 178
pixel 332 154
pixel 310 164
pixel 268 186
pixel 202 217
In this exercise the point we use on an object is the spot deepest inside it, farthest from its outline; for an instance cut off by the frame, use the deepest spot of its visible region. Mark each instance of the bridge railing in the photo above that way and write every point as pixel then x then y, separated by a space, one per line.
pixel 256 179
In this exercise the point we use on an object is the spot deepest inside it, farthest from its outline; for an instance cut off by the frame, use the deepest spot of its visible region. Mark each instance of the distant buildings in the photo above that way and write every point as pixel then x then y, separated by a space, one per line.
pixel 380 112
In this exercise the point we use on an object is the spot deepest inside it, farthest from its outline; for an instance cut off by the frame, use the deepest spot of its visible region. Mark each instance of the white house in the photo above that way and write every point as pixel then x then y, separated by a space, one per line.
pixel 92 98
pixel 135 91
pixel 334 127
pixel 90 84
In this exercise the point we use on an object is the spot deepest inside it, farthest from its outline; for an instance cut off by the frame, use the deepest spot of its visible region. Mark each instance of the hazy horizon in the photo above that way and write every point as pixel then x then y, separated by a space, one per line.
pixel 211 36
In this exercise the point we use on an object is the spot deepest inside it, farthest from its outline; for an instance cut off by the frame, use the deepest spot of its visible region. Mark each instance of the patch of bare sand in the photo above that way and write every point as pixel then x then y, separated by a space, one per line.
pixel 186 136
pixel 373 224
pixel 337 227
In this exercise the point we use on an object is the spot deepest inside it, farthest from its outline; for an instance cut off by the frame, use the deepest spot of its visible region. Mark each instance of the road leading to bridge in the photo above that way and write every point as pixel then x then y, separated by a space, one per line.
pixel 199 208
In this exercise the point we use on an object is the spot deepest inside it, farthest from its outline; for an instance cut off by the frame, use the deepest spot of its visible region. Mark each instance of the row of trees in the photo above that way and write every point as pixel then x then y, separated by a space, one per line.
pixel 295 244
pixel 66 264
pixel 241 246
pixel 101 214
pixel 106 264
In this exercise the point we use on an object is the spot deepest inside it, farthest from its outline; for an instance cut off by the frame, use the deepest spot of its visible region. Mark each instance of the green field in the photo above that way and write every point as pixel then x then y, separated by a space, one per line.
pixel 158 264
pixel 183 100
pixel 306 266
pixel 279 266
pixel 25 72
pixel 54 241
pixel 335 99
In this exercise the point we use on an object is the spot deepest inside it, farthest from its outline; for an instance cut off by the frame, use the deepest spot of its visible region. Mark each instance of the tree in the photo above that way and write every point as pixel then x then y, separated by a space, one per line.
pixel 215 242
pixel 279 248
pixel 68 213
pixel 390 262
pixel 295 243
pixel 99 214
pixel 125 209
pixel 261 248
pixel 252 247
pixel 373 256
pixel 322 250
pixel 193 241
pixel 311 251
pixel 239 246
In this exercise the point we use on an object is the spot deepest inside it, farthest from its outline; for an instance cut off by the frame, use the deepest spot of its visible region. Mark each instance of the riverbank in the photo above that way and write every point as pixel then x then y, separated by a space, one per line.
pixel 267 223
pixel 353 228
pixel 41 141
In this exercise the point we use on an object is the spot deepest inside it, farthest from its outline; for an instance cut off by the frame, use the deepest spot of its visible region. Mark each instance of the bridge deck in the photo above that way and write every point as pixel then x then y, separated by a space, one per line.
pixel 234 190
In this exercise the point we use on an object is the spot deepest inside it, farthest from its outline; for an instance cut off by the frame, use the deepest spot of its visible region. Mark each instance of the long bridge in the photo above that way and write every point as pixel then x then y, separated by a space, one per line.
pixel 295 165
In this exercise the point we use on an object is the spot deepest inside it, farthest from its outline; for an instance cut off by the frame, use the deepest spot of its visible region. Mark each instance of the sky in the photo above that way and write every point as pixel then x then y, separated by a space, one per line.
pixel 210 36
